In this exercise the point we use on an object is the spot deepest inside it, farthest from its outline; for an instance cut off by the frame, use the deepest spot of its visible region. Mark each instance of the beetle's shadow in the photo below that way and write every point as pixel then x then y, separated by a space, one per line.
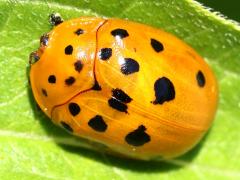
pixel 139 165
pixel 130 164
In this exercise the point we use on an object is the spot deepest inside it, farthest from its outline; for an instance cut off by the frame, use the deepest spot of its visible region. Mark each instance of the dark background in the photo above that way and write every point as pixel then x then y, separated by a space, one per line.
pixel 229 8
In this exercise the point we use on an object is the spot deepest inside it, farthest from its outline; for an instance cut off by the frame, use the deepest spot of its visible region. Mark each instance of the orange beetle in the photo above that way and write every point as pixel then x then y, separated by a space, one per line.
pixel 138 90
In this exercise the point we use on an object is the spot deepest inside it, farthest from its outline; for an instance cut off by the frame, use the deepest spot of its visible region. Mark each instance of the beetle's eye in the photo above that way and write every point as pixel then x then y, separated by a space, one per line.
pixel 34 57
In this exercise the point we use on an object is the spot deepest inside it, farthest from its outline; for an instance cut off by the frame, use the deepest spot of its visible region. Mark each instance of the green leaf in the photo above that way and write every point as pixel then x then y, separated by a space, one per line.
pixel 31 147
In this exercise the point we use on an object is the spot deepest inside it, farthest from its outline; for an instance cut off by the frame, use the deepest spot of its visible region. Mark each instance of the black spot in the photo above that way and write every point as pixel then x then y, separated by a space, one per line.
pixel 164 90
pixel 78 66
pixel 200 79
pixel 98 124
pixel 121 95
pixel 33 58
pixel 96 86
pixel 69 81
pixel 74 109
pixel 138 137
pixel 122 33
pixel 55 19
pixel 156 45
pixel 66 126
pixel 105 53
pixel 118 105
pixel 129 66
pixel 79 31
pixel 44 40
pixel 52 79
pixel 68 50
pixel 44 92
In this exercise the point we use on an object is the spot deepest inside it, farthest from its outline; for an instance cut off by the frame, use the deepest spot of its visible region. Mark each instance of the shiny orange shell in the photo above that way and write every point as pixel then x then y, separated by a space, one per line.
pixel 138 90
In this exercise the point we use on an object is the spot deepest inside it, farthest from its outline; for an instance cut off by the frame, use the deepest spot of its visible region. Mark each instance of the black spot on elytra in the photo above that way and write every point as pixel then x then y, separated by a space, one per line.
pixel 121 95
pixel 105 53
pixel 122 33
pixel 156 45
pixel 78 65
pixel 66 126
pixel 164 90
pixel 74 109
pixel 96 86
pixel 118 105
pixel 44 92
pixel 98 124
pixel 52 79
pixel 138 137
pixel 68 50
pixel 129 66
pixel 79 31
pixel 200 79
pixel 69 81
